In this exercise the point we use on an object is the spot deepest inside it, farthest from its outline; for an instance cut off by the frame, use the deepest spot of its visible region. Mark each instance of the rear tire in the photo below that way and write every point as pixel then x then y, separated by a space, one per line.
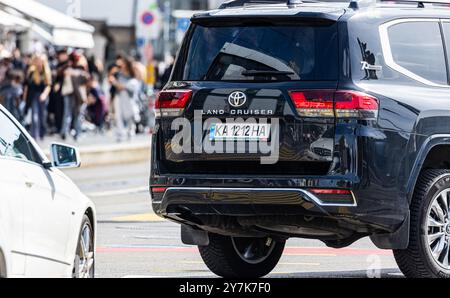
pixel 427 255
pixel 230 257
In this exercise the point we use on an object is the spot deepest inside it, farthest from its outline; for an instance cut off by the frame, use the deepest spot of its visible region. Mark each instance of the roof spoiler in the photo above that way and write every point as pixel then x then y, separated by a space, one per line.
pixel 318 18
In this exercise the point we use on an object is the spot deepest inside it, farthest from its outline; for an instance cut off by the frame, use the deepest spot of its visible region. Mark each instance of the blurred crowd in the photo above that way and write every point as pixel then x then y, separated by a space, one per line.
pixel 63 92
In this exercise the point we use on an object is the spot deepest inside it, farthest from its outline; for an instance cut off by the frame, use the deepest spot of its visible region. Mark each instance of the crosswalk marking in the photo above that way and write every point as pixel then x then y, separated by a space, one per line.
pixel 146 217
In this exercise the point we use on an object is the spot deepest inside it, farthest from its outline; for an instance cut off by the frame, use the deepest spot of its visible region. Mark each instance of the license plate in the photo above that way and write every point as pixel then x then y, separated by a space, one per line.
pixel 240 132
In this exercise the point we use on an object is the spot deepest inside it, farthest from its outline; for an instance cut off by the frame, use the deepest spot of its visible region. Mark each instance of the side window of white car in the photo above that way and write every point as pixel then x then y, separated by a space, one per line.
pixel 13 142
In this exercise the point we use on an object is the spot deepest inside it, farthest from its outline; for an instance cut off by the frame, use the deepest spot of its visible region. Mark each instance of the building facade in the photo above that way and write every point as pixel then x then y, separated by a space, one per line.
pixel 115 22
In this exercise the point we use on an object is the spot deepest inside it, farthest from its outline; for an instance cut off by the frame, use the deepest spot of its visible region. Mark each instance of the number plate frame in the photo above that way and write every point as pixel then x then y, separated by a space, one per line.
pixel 240 132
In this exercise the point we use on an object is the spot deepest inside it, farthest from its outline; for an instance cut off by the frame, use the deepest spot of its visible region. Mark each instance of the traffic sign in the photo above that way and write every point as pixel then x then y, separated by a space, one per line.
pixel 148 18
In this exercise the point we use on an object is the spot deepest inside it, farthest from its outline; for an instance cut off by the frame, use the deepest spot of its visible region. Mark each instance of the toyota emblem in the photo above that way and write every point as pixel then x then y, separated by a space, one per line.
pixel 237 99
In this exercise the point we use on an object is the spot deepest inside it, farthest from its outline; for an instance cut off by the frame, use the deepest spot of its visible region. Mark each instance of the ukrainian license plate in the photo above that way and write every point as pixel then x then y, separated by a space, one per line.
pixel 240 132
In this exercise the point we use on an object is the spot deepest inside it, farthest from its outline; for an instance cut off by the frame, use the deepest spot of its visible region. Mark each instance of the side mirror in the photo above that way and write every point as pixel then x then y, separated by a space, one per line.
pixel 64 156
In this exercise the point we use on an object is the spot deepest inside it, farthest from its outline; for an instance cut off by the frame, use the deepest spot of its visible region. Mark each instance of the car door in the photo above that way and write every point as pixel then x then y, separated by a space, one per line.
pixel 47 209
pixel 12 186
pixel 48 213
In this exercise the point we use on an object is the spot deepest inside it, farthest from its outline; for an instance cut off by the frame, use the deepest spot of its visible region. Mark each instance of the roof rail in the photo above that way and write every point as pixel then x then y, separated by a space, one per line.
pixel 239 3
pixel 356 4
pixel 421 3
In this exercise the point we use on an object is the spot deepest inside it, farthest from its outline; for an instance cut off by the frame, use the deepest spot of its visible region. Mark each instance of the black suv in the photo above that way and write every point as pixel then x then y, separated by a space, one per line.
pixel 306 119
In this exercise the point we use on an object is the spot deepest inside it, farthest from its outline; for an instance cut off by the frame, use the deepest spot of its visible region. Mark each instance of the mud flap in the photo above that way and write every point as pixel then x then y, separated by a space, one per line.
pixel 191 236
pixel 396 240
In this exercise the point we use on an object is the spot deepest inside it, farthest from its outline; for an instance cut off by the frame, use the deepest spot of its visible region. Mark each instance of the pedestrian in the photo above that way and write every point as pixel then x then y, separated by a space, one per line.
pixel 142 122
pixel 165 77
pixel 96 68
pixel 80 79
pixel 56 97
pixel 11 93
pixel 17 61
pixel 37 89
pixel 126 90
pixel 97 106
pixel 5 67
pixel 74 94
pixel 113 71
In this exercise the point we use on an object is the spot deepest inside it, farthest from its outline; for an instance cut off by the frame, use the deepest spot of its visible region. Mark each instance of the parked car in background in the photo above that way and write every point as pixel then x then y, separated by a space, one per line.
pixel 47 226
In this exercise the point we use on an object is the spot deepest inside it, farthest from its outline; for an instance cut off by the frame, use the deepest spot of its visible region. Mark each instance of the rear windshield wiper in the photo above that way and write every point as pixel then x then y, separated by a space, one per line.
pixel 250 73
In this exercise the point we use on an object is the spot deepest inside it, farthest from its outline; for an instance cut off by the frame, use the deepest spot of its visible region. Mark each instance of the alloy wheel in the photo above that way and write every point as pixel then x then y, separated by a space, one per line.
pixel 253 251
pixel 438 229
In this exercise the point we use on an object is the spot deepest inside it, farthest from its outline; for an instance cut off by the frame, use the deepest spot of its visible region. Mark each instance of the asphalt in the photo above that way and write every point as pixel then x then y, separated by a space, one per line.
pixel 133 242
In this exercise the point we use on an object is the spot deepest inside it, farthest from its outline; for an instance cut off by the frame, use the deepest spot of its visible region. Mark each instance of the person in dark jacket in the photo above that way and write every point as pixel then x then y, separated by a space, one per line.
pixel 11 93
pixel 17 61
pixel 56 96
pixel 97 106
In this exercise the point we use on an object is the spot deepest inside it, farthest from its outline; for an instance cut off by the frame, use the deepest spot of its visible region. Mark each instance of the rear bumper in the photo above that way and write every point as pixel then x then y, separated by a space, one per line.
pixel 204 207
pixel 244 202
pixel 205 200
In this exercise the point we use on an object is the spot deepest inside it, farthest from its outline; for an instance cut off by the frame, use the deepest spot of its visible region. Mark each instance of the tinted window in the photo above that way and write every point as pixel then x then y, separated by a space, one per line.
pixel 417 47
pixel 13 143
pixel 274 52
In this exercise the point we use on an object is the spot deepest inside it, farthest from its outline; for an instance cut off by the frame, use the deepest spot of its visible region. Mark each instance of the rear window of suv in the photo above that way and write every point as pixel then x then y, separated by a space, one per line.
pixel 260 53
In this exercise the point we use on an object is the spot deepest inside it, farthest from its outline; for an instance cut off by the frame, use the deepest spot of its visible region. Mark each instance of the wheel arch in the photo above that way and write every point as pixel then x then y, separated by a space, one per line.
pixel 428 158
pixel 90 213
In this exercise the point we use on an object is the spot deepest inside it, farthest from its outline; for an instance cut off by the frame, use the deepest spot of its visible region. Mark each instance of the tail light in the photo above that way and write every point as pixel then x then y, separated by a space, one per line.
pixel 355 104
pixel 157 193
pixel 335 196
pixel 314 103
pixel 158 189
pixel 340 104
pixel 328 191
pixel 171 103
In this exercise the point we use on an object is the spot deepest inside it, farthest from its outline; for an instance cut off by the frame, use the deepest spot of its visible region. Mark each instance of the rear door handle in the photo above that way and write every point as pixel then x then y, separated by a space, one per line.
pixel 29 184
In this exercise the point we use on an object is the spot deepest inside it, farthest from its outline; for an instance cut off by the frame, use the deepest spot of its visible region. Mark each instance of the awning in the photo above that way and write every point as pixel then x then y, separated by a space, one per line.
pixel 12 21
pixel 64 30
pixel 17 22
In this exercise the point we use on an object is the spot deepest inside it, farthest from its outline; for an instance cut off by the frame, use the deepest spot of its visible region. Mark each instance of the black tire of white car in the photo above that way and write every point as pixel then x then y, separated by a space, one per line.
pixel 79 259
pixel 429 220
pixel 2 265
pixel 222 256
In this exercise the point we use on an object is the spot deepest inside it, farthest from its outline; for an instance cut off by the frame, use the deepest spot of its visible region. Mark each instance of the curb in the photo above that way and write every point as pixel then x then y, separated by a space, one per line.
pixel 113 154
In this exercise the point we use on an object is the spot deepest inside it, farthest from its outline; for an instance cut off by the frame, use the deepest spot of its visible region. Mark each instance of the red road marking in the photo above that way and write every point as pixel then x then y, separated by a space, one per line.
pixel 145 249
pixel 334 251
pixel 288 250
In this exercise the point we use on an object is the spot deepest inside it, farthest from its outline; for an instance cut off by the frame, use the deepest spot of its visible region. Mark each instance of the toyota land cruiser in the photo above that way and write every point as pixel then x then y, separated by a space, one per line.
pixel 320 120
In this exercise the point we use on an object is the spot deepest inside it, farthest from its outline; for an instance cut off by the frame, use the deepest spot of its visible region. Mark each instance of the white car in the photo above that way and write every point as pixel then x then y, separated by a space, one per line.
pixel 322 149
pixel 47 226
